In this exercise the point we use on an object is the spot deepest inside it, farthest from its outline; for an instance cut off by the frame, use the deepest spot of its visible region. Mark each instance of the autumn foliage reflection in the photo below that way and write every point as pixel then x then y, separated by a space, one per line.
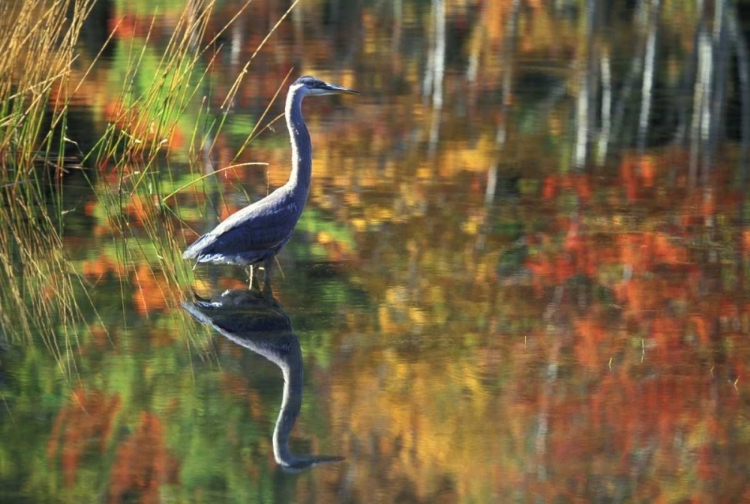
pixel 500 299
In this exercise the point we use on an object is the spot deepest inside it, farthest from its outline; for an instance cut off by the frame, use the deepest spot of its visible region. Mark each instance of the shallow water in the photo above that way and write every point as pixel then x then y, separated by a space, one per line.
pixel 499 293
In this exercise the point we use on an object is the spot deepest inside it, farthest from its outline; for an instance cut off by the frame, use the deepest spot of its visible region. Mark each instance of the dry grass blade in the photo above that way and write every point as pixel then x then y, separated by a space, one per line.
pixel 39 295
pixel 137 149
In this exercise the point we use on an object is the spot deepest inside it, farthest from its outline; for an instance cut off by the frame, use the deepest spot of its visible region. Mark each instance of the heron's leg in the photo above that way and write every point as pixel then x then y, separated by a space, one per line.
pixel 250 277
pixel 267 265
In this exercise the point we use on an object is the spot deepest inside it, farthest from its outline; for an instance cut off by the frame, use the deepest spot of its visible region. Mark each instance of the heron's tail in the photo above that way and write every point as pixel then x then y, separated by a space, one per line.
pixel 190 253
pixel 196 249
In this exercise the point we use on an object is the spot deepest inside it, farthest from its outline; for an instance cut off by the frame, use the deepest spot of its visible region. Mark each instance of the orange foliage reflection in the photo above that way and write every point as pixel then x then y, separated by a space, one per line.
pixel 86 422
pixel 142 463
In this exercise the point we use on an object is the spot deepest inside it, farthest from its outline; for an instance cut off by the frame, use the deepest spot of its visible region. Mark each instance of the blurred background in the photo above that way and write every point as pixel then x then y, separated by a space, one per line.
pixel 520 275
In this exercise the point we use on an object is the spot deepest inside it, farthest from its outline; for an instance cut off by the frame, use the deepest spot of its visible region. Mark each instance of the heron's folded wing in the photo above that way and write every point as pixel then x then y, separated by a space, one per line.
pixel 262 226
pixel 249 238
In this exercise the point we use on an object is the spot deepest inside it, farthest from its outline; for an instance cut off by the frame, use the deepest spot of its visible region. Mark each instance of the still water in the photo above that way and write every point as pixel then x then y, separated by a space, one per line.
pixel 520 276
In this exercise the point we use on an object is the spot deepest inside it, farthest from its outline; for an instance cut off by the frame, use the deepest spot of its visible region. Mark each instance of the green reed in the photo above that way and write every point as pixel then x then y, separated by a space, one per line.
pixel 41 288
pixel 40 293
pixel 137 145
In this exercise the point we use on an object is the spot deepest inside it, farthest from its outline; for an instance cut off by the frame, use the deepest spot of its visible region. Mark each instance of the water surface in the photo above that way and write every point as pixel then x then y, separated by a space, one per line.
pixel 520 275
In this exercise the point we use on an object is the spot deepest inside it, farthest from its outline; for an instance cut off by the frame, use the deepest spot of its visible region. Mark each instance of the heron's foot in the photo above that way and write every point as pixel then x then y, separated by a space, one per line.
pixel 267 291
pixel 267 265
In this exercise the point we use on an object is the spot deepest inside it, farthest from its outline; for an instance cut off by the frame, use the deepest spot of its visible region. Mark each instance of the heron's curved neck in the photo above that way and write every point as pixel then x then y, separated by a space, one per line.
pixel 301 145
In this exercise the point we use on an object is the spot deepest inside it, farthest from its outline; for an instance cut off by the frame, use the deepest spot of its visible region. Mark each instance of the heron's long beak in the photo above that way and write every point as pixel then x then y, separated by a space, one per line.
pixel 334 89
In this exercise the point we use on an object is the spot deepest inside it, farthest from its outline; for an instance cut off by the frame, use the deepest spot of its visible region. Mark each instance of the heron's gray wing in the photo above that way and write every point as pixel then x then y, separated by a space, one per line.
pixel 237 241
pixel 262 226
pixel 245 239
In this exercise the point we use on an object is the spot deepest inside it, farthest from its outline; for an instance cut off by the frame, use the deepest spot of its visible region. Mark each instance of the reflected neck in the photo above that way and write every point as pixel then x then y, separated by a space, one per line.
pixel 291 404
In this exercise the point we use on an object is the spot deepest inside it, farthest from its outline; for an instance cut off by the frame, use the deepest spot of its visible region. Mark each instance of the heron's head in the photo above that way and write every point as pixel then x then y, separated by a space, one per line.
pixel 315 87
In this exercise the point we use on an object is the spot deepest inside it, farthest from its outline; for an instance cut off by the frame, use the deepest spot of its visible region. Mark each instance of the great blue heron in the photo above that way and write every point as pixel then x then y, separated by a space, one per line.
pixel 255 234
pixel 260 324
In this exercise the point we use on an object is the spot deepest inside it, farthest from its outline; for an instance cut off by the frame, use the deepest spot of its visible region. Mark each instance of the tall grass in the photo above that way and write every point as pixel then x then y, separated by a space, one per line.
pixel 137 144
pixel 37 289
pixel 137 147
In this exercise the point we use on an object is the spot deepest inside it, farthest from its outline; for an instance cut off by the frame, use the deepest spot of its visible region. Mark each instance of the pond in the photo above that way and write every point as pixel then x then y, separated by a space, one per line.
pixel 519 276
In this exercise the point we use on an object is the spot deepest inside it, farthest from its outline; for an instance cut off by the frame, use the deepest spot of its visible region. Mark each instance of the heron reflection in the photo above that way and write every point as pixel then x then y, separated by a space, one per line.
pixel 260 324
